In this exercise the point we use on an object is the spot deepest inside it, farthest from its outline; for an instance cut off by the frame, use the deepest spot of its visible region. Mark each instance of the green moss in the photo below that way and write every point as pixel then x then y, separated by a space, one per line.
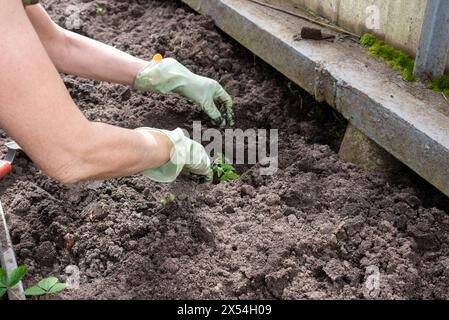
pixel 397 59
pixel 440 84
pixel 368 40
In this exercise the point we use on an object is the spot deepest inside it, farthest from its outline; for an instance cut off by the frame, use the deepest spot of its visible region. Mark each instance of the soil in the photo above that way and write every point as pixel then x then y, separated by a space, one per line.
pixel 319 228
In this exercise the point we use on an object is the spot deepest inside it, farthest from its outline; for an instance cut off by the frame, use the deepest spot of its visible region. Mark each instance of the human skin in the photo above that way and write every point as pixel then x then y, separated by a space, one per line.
pixel 37 111
pixel 75 54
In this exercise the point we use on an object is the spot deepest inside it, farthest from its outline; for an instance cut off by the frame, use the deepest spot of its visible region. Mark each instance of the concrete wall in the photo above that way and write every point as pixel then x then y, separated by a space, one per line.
pixel 400 20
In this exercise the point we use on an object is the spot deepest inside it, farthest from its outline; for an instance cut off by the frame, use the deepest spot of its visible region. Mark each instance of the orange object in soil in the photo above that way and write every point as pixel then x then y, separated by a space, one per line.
pixel 5 168
pixel 158 57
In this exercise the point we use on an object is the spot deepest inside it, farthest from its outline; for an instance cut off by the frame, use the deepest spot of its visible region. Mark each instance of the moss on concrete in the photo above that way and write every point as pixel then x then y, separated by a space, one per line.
pixel 397 59
pixel 441 84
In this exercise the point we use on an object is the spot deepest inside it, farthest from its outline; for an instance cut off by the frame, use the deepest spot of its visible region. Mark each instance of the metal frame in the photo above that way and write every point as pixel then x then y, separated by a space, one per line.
pixel 433 48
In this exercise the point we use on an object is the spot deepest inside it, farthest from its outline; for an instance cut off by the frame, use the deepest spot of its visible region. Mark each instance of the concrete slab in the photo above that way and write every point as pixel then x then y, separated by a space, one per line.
pixel 407 120
pixel 358 149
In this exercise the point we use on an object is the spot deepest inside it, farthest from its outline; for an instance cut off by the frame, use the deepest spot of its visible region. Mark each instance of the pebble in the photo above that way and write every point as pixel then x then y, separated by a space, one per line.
pixel 247 190
pixel 229 208
pixel 292 220
pixel 273 199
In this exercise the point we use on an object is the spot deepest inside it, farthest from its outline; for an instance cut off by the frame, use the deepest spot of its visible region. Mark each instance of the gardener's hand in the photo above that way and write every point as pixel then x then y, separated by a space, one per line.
pixel 168 75
pixel 187 156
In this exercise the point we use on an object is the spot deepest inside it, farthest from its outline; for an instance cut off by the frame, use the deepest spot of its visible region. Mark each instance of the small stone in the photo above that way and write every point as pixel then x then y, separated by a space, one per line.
pixel 335 270
pixel 126 95
pixel 228 208
pixel 272 199
pixel 289 211
pixel 203 231
pixel 132 244
pixel 95 211
pixel 292 220
pixel 247 190
pixel 171 265
pixel 278 229
pixel 115 252
pixel 354 225
pixel 137 11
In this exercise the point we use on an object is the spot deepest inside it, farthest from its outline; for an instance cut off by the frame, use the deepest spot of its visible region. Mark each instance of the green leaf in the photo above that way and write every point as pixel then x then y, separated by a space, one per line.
pixel 58 288
pixel 227 167
pixel 3 278
pixel 16 276
pixel 48 283
pixel 2 292
pixel 35 291
pixel 100 10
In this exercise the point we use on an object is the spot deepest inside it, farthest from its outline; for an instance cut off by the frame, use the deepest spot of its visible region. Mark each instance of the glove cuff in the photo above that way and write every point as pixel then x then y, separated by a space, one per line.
pixel 173 168
pixel 164 76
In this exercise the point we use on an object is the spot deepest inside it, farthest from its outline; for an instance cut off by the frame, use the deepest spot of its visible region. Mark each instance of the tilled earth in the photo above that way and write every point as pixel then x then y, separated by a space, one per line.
pixel 318 228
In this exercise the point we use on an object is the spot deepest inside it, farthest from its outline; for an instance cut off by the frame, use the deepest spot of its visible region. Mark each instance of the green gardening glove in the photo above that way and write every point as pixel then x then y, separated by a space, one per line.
pixel 168 75
pixel 187 156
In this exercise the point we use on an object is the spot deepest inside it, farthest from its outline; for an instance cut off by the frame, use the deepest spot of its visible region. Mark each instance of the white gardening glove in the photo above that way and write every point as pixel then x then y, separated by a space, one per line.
pixel 187 156
pixel 168 75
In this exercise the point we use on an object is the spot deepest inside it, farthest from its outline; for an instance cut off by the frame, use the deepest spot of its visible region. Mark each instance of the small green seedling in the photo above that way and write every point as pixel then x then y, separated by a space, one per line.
pixel 224 170
pixel 7 283
pixel 168 200
pixel 44 287
pixel 100 10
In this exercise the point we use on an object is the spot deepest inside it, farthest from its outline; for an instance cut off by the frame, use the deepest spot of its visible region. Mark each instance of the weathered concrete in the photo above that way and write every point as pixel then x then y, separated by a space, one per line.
pixel 360 150
pixel 409 122
pixel 400 21
pixel 434 43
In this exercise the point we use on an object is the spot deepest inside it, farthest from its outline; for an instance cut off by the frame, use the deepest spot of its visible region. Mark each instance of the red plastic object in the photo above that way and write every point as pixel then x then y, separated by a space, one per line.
pixel 5 168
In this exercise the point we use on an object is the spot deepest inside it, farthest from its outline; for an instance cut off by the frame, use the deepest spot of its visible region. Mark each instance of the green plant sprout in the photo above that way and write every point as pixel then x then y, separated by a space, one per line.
pixel 8 282
pixel 100 10
pixel 397 59
pixel 168 200
pixel 44 287
pixel 224 170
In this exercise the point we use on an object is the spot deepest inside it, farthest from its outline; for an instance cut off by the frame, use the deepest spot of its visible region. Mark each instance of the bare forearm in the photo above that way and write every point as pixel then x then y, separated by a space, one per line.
pixel 78 55
pixel 94 60
pixel 115 152
pixel 38 112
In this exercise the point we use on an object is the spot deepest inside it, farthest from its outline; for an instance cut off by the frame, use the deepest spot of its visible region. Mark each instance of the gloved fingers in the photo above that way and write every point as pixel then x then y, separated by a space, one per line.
pixel 224 100
pixel 199 162
pixel 212 111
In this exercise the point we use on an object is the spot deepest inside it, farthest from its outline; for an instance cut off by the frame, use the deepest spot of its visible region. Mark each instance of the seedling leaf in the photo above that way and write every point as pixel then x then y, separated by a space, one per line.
pixel 57 288
pixel 168 200
pixel 224 170
pixel 17 275
pixel 48 283
pixel 35 291
pixel 2 292
pixel 100 10
pixel 3 278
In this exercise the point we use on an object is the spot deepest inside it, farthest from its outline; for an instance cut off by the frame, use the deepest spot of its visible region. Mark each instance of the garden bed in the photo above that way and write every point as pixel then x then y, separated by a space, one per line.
pixel 316 229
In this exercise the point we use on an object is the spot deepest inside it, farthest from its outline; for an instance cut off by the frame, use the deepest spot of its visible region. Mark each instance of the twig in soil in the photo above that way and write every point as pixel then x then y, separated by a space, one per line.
pixel 445 98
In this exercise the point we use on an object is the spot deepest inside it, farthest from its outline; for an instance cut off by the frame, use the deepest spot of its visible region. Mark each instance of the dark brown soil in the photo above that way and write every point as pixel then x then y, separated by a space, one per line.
pixel 314 230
